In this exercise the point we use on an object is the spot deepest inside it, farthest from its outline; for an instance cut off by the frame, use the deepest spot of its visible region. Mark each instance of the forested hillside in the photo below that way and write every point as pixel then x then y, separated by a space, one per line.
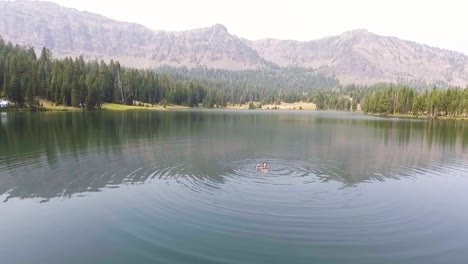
pixel 268 86
pixel 24 78
pixel 74 82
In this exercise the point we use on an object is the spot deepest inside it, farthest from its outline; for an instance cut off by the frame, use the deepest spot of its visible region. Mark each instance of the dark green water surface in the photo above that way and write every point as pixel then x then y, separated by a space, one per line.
pixel 182 187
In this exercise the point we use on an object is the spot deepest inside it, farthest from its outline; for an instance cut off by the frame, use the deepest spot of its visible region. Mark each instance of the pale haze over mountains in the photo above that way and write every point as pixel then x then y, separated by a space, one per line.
pixel 356 56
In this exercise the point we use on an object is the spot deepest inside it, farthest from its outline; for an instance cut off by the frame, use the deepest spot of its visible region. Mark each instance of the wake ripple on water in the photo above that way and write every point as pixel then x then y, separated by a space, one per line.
pixel 278 172
pixel 302 204
pixel 292 203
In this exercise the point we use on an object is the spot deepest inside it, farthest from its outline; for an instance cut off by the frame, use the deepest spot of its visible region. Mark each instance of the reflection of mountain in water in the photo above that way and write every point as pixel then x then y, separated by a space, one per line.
pixel 47 155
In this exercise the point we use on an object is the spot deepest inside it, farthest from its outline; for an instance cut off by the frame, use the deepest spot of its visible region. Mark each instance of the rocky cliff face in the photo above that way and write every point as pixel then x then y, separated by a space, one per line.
pixel 353 57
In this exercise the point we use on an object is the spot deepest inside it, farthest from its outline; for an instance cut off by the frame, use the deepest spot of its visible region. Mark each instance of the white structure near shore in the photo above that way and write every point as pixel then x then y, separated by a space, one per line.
pixel 4 103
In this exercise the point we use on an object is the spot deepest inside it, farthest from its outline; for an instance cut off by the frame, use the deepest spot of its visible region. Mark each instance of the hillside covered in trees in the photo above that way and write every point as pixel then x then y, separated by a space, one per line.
pixel 25 77
pixel 267 85
pixel 75 82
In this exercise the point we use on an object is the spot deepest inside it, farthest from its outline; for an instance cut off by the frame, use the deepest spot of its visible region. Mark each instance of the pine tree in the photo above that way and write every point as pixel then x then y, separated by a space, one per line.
pixel 30 97
pixel 14 93
pixel 75 96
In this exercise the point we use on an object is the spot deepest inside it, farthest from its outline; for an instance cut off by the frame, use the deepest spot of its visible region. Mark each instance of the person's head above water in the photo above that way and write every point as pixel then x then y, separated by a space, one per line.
pixel 262 166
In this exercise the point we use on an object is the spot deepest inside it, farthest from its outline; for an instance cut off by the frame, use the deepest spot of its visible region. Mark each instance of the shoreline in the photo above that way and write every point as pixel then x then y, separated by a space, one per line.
pixel 282 106
pixel 48 106
pixel 113 107
pixel 418 117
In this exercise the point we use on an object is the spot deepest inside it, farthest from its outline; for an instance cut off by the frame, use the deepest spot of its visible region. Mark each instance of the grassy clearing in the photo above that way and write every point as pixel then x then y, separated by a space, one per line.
pixel 282 106
pixel 292 106
pixel 50 106
pixel 120 107
pixel 409 116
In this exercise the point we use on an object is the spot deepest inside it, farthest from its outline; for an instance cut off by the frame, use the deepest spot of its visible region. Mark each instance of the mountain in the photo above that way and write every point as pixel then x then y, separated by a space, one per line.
pixel 69 32
pixel 362 57
pixel 353 57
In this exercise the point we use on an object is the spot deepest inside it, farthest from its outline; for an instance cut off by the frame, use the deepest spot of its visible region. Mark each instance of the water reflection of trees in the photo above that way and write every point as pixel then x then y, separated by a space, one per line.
pixel 47 155
pixel 379 148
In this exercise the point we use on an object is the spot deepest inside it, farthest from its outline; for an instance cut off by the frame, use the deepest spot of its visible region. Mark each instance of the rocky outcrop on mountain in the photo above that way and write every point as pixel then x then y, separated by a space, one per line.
pixel 353 57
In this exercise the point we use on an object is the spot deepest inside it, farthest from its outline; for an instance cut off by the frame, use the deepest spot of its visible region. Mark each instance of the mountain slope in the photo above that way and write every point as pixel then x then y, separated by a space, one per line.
pixel 362 57
pixel 353 57
pixel 69 32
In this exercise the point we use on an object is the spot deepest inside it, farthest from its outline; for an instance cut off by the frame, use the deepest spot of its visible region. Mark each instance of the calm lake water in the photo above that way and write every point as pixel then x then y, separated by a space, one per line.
pixel 182 187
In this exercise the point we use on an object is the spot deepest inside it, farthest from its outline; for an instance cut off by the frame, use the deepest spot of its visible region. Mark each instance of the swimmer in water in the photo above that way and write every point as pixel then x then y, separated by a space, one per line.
pixel 263 166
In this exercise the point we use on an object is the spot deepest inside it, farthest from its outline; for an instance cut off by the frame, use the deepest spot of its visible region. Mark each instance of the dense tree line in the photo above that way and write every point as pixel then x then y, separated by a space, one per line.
pixel 335 100
pixel 75 82
pixel 273 86
pixel 263 85
pixel 400 100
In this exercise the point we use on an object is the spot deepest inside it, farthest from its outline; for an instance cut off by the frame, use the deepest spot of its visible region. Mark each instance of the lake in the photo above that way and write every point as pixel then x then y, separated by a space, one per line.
pixel 182 187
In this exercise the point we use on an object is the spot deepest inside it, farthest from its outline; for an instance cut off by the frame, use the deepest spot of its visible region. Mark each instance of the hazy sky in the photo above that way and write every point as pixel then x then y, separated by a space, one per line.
pixel 442 24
